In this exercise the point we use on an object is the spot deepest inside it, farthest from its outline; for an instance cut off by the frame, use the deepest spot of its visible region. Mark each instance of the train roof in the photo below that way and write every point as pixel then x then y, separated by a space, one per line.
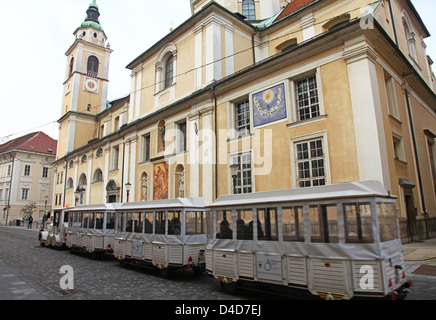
pixel 341 190
pixel 97 207
pixel 192 202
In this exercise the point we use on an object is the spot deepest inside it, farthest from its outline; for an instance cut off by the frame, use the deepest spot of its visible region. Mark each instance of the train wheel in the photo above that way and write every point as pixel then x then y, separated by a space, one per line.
pixel 199 269
pixel 231 287
pixel 165 272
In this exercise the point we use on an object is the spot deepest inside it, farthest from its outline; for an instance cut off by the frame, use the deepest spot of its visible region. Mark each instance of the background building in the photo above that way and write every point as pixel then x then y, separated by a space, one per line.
pixel 255 96
pixel 26 173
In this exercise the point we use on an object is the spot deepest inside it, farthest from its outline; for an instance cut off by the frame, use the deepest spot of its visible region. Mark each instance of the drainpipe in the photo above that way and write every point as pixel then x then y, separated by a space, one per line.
pixel 415 150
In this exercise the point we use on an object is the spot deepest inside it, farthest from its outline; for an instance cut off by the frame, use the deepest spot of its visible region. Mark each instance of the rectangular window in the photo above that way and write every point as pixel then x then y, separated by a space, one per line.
pixel 358 223
pixel 224 224
pixel 175 222
pixel 148 222
pixel 110 221
pixel 145 146
pixel 138 222
pixel 24 194
pixel 115 158
pixel 267 224
pixel 85 220
pixel 242 118
pixel 159 222
pixel 45 172
pixel 293 224
pixel 307 98
pixel 27 170
pixel 181 137
pixel 243 183
pixel 129 222
pixel 99 221
pixel 121 221
pixel 244 224
pixel 323 223
pixel 391 96
pixel 387 220
pixel 195 222
pixel 91 221
pixel 310 163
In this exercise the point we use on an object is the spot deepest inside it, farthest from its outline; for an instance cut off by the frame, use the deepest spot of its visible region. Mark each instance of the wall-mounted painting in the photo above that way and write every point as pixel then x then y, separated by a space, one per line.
pixel 160 181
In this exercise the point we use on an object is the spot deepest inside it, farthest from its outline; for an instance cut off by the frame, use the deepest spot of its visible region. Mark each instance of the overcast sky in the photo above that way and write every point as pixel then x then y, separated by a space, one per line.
pixel 37 33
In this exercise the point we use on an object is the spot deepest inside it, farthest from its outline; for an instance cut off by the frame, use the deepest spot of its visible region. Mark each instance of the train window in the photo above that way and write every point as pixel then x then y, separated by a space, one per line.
pixel 99 221
pixel 387 220
pixel 174 222
pixel 293 224
pixel 91 221
pixel 267 224
pixel 224 224
pixel 358 223
pixel 77 219
pixel 110 221
pixel 323 223
pixel 159 222
pixel 66 215
pixel 209 221
pixel 85 220
pixel 129 222
pixel 137 222
pixel 71 219
pixel 244 224
pixel 195 222
pixel 148 222
pixel 120 221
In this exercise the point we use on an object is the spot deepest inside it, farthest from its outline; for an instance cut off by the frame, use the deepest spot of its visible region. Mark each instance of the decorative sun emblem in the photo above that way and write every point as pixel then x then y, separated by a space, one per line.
pixel 268 96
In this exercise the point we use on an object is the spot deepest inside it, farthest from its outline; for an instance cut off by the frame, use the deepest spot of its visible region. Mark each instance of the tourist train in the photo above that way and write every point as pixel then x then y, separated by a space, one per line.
pixel 334 242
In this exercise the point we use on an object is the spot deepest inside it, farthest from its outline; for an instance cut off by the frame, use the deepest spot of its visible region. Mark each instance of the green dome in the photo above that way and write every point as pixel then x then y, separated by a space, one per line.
pixel 95 25
pixel 92 17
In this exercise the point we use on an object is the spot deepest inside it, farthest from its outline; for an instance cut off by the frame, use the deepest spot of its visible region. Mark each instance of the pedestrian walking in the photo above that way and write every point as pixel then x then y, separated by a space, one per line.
pixel 29 226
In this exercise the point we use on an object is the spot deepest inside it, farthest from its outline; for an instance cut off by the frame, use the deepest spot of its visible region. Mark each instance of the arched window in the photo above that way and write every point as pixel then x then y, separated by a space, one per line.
pixel 82 180
pixel 248 9
pixel 70 183
pixel 92 67
pixel 71 66
pixel 169 71
pixel 98 176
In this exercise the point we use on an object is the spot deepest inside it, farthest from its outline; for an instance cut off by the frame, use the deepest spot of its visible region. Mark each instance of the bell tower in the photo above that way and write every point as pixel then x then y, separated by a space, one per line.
pixel 86 83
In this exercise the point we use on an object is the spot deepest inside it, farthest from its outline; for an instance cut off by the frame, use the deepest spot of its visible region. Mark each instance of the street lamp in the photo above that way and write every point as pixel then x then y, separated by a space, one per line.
pixel 234 172
pixel 128 187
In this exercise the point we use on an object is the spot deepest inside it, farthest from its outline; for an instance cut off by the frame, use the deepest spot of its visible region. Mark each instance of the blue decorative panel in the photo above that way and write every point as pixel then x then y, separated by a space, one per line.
pixel 269 105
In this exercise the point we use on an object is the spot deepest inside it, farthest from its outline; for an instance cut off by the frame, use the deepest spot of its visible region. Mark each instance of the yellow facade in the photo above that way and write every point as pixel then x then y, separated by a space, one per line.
pixel 175 133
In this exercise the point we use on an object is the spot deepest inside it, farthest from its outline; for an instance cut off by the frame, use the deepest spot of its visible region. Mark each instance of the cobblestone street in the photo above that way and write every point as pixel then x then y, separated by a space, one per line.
pixel 32 272
pixel 101 279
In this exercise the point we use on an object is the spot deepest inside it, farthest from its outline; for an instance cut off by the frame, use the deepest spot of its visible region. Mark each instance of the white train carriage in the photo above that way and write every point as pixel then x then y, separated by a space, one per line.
pixel 166 234
pixel 91 228
pixel 336 242
pixel 54 235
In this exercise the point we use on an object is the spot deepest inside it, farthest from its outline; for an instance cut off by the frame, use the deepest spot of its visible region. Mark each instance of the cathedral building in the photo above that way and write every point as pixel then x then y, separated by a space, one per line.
pixel 256 95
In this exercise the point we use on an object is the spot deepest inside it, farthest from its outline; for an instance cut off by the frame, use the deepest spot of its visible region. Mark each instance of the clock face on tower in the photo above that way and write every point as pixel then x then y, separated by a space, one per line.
pixel 91 85
pixel 269 105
